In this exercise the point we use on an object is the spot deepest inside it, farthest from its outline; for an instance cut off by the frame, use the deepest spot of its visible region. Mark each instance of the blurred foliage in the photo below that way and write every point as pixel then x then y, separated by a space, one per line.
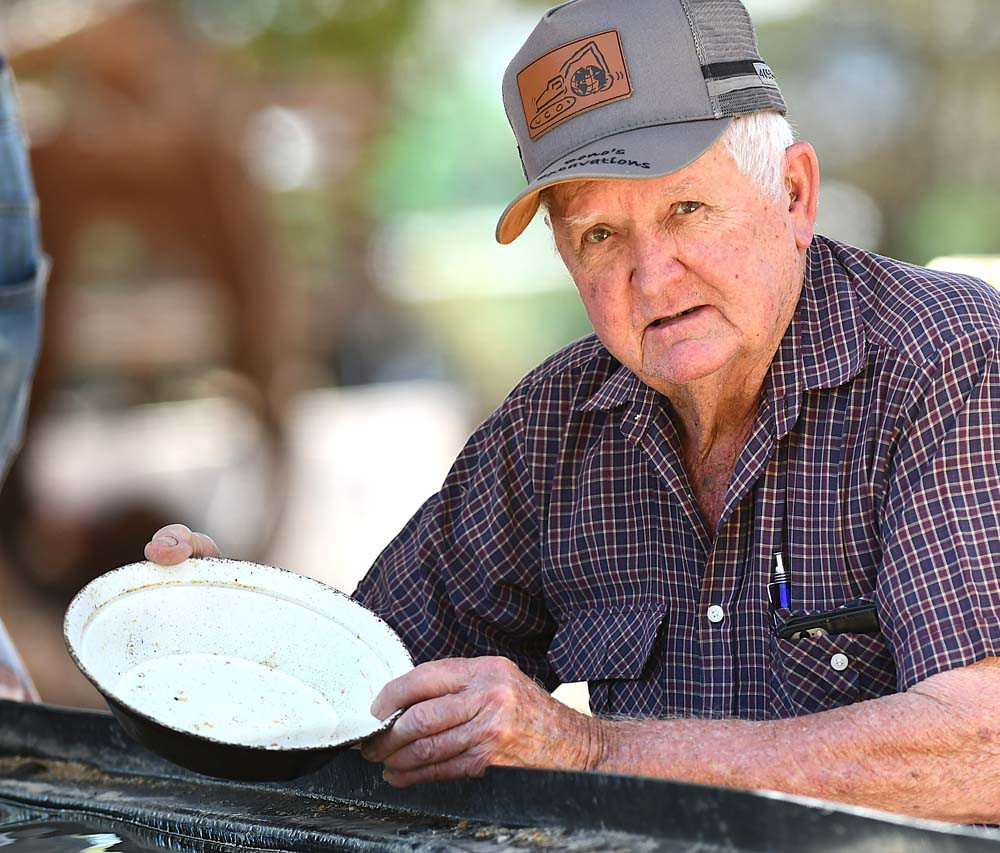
pixel 286 34
pixel 901 99
pixel 953 218
pixel 495 341
pixel 449 149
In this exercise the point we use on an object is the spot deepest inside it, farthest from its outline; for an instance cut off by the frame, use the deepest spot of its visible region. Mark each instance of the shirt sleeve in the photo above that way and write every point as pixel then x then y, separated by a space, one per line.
pixel 939 588
pixel 463 577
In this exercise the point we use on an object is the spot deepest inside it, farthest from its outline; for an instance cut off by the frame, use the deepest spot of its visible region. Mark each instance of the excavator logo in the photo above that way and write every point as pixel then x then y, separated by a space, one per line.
pixel 588 73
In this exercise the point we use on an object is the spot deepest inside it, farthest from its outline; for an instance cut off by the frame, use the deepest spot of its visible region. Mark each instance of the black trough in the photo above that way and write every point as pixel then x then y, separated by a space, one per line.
pixel 77 768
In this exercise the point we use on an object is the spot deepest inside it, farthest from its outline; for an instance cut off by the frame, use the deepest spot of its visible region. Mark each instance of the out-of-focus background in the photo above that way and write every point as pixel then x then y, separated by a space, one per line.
pixel 277 309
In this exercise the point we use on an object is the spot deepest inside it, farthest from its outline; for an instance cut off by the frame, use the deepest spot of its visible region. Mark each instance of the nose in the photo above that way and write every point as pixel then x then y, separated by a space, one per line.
pixel 655 262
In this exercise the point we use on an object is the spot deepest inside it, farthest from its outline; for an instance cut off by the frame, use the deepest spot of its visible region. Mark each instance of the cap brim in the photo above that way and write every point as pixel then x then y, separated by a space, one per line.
pixel 646 152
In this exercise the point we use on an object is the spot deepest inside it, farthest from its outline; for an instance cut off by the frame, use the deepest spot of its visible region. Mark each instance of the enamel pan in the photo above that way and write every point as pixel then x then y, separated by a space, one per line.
pixel 233 669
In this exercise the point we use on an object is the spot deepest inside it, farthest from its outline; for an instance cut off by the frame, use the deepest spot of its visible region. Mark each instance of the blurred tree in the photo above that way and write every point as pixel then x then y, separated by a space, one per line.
pixel 902 100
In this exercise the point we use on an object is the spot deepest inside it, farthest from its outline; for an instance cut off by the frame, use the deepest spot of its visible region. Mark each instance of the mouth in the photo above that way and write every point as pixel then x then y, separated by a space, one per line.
pixel 662 320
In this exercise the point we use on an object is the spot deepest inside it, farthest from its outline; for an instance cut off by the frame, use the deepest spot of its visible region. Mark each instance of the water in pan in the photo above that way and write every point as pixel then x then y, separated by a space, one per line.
pixel 230 699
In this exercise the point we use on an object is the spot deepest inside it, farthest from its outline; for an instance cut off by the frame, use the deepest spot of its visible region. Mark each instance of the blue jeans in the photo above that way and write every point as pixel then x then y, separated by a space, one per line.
pixel 23 272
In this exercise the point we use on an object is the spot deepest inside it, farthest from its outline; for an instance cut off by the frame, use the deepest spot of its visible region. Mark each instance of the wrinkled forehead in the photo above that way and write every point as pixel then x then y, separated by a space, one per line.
pixel 572 199
pixel 557 197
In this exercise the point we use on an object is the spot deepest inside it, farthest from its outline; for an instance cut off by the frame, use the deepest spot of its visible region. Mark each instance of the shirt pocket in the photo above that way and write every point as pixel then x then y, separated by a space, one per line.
pixel 610 648
pixel 818 673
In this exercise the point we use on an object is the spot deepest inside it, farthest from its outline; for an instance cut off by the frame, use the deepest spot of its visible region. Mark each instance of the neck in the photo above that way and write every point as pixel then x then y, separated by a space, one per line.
pixel 713 431
pixel 708 415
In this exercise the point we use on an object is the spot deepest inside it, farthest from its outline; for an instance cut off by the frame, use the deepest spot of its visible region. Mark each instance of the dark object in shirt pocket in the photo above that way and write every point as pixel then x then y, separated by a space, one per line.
pixel 813 674
pixel 859 618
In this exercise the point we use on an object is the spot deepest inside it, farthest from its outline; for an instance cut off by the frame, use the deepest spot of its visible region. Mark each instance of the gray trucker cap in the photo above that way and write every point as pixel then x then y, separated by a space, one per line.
pixel 628 89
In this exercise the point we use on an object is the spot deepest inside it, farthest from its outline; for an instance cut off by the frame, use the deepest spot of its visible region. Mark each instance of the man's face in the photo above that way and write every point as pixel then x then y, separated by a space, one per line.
pixel 685 276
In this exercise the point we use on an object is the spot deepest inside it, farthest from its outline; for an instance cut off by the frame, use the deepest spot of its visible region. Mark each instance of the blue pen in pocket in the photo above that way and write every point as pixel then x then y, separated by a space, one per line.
pixel 779 588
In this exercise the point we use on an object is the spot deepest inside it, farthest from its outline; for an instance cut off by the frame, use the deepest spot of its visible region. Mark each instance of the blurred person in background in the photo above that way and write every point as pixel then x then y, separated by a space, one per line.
pixel 22 284
pixel 757 511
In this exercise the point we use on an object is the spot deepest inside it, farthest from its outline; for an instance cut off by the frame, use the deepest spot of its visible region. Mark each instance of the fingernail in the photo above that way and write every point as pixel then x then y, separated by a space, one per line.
pixel 166 541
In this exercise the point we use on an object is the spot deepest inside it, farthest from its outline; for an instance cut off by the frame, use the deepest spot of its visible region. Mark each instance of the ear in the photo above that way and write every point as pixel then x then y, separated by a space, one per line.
pixel 802 184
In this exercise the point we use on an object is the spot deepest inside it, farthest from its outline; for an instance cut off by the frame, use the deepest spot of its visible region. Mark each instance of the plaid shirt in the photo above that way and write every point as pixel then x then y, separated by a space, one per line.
pixel 566 536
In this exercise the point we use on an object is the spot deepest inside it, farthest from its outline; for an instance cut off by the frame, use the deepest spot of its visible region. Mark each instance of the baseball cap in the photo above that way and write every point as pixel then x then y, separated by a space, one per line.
pixel 628 89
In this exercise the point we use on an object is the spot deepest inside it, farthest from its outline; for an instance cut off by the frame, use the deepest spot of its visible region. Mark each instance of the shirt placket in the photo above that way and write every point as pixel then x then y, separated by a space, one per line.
pixel 719 618
pixel 728 606
pixel 648 427
pixel 731 612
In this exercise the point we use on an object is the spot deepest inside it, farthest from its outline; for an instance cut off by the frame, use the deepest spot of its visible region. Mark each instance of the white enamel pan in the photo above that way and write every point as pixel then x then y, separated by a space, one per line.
pixel 233 669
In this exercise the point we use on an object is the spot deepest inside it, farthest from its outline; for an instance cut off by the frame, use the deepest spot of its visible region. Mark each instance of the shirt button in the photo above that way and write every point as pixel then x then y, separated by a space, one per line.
pixel 715 613
pixel 839 662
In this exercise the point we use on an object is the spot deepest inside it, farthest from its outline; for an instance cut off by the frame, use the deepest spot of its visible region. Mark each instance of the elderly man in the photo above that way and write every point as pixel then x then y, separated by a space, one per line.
pixel 757 512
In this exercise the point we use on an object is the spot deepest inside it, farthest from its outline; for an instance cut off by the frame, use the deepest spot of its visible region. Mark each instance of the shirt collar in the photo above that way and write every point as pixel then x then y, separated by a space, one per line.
pixel 823 346
pixel 828 322
pixel 619 388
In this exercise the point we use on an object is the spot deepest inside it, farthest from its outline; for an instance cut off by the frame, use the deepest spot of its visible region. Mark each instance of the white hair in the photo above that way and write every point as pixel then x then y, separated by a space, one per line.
pixel 757 143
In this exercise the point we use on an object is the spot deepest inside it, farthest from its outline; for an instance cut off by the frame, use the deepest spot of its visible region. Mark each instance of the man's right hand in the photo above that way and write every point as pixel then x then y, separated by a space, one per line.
pixel 174 543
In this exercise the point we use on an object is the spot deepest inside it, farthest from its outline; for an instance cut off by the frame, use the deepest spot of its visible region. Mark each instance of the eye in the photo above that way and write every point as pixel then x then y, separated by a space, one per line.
pixel 597 234
pixel 686 207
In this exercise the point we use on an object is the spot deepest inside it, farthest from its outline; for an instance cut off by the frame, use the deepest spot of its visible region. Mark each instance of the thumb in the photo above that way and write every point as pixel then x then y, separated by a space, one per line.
pixel 175 543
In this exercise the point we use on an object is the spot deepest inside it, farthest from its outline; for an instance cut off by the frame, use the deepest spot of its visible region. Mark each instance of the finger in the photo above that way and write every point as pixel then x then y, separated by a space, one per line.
pixel 433 749
pixel 420 722
pixel 170 545
pixel 427 681
pixel 175 543
pixel 465 765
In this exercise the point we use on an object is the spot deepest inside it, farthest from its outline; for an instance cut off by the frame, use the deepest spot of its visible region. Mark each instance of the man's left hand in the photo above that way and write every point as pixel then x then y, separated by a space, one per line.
pixel 463 715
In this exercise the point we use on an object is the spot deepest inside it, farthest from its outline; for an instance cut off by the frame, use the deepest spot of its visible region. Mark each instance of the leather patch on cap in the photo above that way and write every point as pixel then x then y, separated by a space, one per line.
pixel 571 79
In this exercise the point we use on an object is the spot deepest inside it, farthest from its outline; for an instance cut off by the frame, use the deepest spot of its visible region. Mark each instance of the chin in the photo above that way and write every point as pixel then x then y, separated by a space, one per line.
pixel 683 368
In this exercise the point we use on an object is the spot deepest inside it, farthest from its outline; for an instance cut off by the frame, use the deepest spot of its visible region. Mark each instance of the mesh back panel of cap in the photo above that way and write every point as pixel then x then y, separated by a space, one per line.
pixel 722 30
